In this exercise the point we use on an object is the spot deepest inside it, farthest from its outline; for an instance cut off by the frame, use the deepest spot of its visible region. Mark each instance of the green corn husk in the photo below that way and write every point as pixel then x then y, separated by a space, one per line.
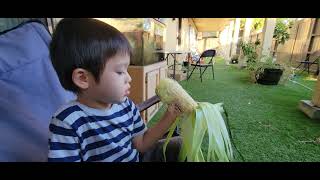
pixel 197 121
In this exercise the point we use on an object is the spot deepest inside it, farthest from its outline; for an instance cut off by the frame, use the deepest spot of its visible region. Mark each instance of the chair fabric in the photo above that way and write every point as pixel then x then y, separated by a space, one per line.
pixel 30 93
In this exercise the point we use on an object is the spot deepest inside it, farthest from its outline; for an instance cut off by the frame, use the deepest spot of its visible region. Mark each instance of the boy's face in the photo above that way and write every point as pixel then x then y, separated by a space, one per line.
pixel 114 84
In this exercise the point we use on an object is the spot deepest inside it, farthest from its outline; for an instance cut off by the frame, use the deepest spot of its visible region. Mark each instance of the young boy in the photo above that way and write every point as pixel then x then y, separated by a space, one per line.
pixel 91 59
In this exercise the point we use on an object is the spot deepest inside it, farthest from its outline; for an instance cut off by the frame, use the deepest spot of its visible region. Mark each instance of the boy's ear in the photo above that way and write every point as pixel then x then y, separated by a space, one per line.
pixel 80 78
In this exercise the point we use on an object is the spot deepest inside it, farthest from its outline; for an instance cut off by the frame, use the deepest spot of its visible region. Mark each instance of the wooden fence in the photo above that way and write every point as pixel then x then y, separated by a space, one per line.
pixel 304 42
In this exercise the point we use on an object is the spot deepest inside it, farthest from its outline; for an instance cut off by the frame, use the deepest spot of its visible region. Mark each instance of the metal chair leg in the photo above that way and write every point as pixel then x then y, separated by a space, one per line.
pixel 191 72
pixel 188 72
pixel 200 74
pixel 212 72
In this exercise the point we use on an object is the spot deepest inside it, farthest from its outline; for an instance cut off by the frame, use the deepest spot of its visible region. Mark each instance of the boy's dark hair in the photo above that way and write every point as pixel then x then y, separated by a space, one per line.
pixel 84 43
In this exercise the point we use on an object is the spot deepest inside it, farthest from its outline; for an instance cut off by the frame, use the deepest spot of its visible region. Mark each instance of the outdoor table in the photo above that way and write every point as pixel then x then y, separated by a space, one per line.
pixel 174 56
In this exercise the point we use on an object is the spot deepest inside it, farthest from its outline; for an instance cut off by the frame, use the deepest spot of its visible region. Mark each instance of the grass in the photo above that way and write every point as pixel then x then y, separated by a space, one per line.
pixel 265 121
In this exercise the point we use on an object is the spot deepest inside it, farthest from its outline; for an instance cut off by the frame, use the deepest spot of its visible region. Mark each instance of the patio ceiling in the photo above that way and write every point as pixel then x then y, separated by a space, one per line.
pixel 211 24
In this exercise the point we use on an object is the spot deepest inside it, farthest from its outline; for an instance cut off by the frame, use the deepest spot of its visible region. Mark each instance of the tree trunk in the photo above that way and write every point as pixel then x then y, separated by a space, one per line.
pixel 275 49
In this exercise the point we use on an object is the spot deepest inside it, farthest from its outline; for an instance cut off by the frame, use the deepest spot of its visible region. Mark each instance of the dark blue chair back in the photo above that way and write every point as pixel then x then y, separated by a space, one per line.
pixel 208 53
pixel 30 93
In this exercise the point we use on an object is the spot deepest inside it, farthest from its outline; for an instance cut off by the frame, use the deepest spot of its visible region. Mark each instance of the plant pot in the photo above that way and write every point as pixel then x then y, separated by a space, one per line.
pixel 234 61
pixel 270 76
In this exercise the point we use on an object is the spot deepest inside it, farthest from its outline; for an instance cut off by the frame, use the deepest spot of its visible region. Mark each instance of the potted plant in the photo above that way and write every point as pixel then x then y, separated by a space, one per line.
pixel 266 71
pixel 234 59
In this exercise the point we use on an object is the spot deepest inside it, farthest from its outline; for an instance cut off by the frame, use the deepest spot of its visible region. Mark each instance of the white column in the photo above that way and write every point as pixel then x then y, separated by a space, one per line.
pixel 245 38
pixel 235 36
pixel 171 34
pixel 223 42
pixel 227 44
pixel 268 29
pixel 247 29
pixel 230 39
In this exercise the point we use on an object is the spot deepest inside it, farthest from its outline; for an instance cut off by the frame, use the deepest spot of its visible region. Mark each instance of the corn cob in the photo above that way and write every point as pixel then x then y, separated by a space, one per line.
pixel 169 91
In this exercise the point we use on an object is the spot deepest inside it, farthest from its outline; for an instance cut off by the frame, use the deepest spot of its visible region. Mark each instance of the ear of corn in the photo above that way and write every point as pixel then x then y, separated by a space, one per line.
pixel 169 90
pixel 197 121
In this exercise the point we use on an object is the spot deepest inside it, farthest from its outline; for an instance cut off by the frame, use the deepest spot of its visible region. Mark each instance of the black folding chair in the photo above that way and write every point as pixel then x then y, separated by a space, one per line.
pixel 207 53
pixel 307 63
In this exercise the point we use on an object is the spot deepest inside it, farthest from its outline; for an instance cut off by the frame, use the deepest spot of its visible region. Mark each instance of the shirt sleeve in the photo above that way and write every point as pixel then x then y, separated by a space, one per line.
pixel 64 145
pixel 139 126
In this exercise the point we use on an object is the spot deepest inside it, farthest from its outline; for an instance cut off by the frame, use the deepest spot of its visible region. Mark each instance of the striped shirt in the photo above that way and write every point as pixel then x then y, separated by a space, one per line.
pixel 80 133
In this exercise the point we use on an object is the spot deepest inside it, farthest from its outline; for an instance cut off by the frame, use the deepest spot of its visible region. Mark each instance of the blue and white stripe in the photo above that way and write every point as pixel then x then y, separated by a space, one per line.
pixel 81 133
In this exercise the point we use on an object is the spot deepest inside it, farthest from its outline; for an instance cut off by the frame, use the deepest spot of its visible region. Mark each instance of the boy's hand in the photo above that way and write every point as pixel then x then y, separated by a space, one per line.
pixel 173 111
pixel 145 141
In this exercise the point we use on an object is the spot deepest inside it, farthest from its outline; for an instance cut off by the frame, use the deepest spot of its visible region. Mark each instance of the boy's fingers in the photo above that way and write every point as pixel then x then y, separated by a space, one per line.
pixel 174 107
pixel 178 107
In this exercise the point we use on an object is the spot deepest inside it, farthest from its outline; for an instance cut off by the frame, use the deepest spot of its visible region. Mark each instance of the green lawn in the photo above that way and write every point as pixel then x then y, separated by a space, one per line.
pixel 265 121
